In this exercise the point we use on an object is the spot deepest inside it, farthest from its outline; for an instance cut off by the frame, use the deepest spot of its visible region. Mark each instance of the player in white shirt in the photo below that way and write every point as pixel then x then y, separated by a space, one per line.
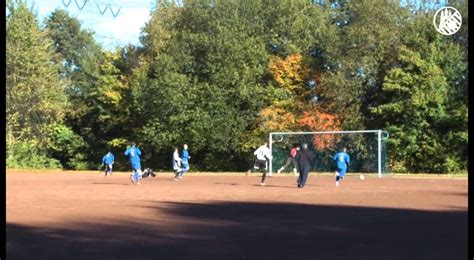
pixel 262 154
pixel 177 165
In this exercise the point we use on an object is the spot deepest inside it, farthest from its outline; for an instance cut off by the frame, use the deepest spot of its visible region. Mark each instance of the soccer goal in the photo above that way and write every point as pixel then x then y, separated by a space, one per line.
pixel 367 149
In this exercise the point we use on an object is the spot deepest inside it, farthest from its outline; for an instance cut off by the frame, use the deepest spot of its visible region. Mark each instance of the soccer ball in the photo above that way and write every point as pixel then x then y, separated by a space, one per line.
pixel 362 177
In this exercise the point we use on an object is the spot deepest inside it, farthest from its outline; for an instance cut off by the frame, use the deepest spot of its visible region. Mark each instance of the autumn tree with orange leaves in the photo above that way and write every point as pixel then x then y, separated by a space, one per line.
pixel 295 111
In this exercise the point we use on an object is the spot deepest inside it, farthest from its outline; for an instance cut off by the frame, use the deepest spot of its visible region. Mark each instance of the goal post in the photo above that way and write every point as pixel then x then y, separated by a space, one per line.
pixel 367 149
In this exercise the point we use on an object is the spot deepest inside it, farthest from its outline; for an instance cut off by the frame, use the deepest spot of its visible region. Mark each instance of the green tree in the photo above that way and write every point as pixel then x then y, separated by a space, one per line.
pixel 72 44
pixel 35 94
pixel 90 91
pixel 432 66
pixel 206 80
pixel 415 96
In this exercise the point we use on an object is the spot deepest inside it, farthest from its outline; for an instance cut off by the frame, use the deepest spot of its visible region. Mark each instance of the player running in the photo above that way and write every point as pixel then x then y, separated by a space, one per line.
pixel 342 161
pixel 133 154
pixel 262 154
pixel 304 159
pixel 185 159
pixel 291 159
pixel 108 161
pixel 177 165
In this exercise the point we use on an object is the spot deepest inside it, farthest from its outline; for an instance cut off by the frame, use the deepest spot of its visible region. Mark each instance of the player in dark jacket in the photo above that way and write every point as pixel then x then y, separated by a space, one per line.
pixel 304 159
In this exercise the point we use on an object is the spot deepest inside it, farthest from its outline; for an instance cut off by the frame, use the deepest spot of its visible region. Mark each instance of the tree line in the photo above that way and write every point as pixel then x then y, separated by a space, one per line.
pixel 220 75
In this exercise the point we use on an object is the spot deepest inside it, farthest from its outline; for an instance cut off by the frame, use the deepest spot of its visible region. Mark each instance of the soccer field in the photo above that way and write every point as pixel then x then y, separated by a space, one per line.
pixel 59 215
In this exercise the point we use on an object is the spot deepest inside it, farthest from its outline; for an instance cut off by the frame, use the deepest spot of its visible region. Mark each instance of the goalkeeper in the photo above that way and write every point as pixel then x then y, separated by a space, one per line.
pixel 291 159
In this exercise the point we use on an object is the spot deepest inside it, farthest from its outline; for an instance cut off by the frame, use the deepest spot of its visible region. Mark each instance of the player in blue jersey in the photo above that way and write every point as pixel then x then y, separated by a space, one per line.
pixel 185 159
pixel 342 161
pixel 108 161
pixel 133 154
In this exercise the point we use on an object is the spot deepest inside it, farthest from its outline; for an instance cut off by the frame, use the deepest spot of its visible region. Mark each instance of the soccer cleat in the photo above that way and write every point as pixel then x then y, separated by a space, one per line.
pixel 131 178
pixel 337 184
pixel 138 183
pixel 262 184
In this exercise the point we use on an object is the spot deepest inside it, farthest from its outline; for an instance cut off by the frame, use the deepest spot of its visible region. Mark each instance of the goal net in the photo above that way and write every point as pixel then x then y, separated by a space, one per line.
pixel 366 148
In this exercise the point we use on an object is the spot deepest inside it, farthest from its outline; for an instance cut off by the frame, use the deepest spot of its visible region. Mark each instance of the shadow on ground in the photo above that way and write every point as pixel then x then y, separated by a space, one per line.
pixel 238 230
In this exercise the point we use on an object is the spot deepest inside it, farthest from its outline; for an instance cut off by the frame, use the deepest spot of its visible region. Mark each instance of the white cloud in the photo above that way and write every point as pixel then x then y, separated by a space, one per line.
pixel 125 27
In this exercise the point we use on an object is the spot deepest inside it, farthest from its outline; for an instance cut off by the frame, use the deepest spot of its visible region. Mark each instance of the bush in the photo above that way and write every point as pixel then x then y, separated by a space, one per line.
pixel 398 166
pixel 27 155
pixel 451 165
pixel 67 147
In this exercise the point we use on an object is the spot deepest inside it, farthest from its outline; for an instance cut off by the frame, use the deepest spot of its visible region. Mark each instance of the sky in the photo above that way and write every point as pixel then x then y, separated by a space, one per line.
pixel 114 22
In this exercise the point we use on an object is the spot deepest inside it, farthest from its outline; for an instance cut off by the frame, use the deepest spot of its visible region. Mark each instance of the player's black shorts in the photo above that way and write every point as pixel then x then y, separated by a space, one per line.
pixel 290 160
pixel 261 164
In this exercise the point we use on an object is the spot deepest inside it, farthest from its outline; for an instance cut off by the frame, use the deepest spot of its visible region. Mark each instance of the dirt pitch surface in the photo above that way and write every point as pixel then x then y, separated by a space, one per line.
pixel 59 215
